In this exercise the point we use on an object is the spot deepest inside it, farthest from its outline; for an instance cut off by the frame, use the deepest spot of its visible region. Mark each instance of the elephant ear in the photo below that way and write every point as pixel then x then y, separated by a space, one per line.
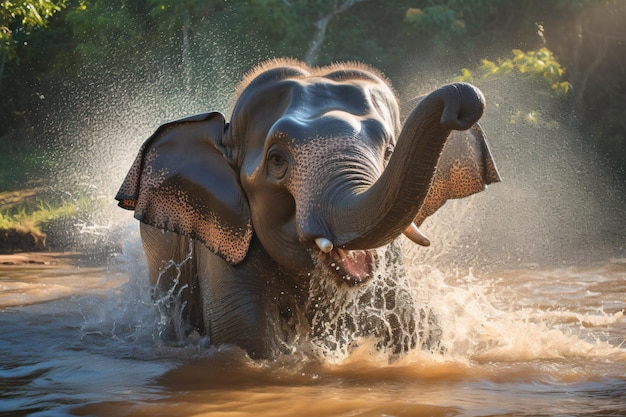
pixel 464 168
pixel 182 182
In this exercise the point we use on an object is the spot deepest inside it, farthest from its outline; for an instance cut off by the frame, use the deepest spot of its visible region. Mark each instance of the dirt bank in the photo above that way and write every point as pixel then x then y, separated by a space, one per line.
pixel 43 220
pixel 51 259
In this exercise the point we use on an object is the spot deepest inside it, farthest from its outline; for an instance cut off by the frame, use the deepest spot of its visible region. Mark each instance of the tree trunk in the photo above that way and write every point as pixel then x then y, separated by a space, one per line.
pixel 321 25
pixel 186 55
pixel 318 39
pixel 1 68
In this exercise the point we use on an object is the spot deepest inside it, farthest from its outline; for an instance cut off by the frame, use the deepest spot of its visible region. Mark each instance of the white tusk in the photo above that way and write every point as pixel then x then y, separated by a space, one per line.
pixel 324 244
pixel 416 235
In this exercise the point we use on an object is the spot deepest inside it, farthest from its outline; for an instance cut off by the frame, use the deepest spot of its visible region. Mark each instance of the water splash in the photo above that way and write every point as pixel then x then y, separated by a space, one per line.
pixel 430 319
pixel 93 125
pixel 169 297
pixel 140 319
pixel 127 315
pixel 557 204
pixel 382 312
pixel 560 201
pixel 489 319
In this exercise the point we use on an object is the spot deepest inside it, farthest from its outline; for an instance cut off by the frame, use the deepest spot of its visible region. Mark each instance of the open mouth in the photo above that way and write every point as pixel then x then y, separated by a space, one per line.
pixel 352 266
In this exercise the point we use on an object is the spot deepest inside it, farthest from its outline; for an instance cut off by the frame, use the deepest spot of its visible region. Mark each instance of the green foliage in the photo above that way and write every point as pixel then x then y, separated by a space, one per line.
pixel 27 15
pixel 287 24
pixel 537 74
pixel 198 46
pixel 21 163
pixel 76 57
pixel 48 219
pixel 433 19
pixel 34 217
pixel 31 207
pixel 101 27
pixel 178 18
pixel 440 24
pixel 28 206
pixel 540 65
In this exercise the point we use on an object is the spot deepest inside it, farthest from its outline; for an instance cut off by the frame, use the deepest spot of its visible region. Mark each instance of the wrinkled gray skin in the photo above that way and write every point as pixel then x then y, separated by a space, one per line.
pixel 278 211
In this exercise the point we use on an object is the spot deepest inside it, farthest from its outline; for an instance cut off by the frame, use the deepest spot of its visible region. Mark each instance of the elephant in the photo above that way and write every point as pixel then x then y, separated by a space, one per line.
pixel 283 225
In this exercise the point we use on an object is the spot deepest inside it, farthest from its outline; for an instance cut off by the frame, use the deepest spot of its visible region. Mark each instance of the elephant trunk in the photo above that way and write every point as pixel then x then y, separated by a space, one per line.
pixel 376 216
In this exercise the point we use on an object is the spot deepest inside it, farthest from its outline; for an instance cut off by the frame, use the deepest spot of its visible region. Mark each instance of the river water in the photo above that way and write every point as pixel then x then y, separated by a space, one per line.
pixel 85 341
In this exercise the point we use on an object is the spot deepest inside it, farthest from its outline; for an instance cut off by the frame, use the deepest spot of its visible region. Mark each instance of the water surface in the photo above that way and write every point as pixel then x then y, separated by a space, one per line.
pixel 81 341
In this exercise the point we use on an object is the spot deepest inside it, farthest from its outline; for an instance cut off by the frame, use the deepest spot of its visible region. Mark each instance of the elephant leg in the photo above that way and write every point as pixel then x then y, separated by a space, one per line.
pixel 250 305
pixel 174 275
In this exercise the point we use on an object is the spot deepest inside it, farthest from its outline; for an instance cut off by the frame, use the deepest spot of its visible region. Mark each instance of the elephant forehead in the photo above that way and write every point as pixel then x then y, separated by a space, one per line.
pixel 313 97
pixel 333 124
pixel 320 107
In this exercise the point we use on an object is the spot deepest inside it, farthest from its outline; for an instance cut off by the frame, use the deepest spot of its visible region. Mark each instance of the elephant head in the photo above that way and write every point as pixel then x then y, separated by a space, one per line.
pixel 316 163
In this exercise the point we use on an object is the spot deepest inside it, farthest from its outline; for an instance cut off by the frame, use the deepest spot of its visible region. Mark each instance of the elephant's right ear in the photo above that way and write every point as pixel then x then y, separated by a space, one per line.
pixel 182 182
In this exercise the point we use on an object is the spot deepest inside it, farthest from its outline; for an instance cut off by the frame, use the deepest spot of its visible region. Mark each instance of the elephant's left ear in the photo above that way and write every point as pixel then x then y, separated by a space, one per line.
pixel 464 168
pixel 182 182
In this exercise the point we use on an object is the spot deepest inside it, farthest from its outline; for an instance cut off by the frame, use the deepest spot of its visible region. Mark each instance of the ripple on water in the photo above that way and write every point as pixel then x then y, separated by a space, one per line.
pixel 510 349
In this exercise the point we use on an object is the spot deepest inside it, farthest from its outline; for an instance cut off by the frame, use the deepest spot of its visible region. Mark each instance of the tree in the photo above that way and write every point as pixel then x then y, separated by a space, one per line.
pixel 22 15
pixel 589 37
pixel 205 43
pixel 297 28
pixel 177 15
pixel 321 25
pixel 105 31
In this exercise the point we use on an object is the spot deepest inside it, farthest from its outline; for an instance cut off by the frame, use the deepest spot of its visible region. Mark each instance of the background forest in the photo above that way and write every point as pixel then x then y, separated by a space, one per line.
pixel 79 75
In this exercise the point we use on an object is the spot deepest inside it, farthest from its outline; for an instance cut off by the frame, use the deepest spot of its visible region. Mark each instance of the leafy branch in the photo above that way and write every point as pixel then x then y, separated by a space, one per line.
pixel 540 65
pixel 18 15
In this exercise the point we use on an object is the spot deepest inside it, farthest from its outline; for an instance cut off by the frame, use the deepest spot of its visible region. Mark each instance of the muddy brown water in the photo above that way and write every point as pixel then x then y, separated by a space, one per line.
pixel 85 341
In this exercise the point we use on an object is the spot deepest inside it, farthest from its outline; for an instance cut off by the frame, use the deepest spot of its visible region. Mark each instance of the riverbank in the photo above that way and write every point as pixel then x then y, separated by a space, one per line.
pixel 43 219
pixel 41 259
pixel 27 218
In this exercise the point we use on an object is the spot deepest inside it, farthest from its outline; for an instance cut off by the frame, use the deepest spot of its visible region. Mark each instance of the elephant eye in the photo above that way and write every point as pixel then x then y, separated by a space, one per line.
pixel 388 152
pixel 277 165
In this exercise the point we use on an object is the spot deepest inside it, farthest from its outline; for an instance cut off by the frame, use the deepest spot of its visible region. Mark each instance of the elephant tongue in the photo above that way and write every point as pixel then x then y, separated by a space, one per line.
pixel 355 266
